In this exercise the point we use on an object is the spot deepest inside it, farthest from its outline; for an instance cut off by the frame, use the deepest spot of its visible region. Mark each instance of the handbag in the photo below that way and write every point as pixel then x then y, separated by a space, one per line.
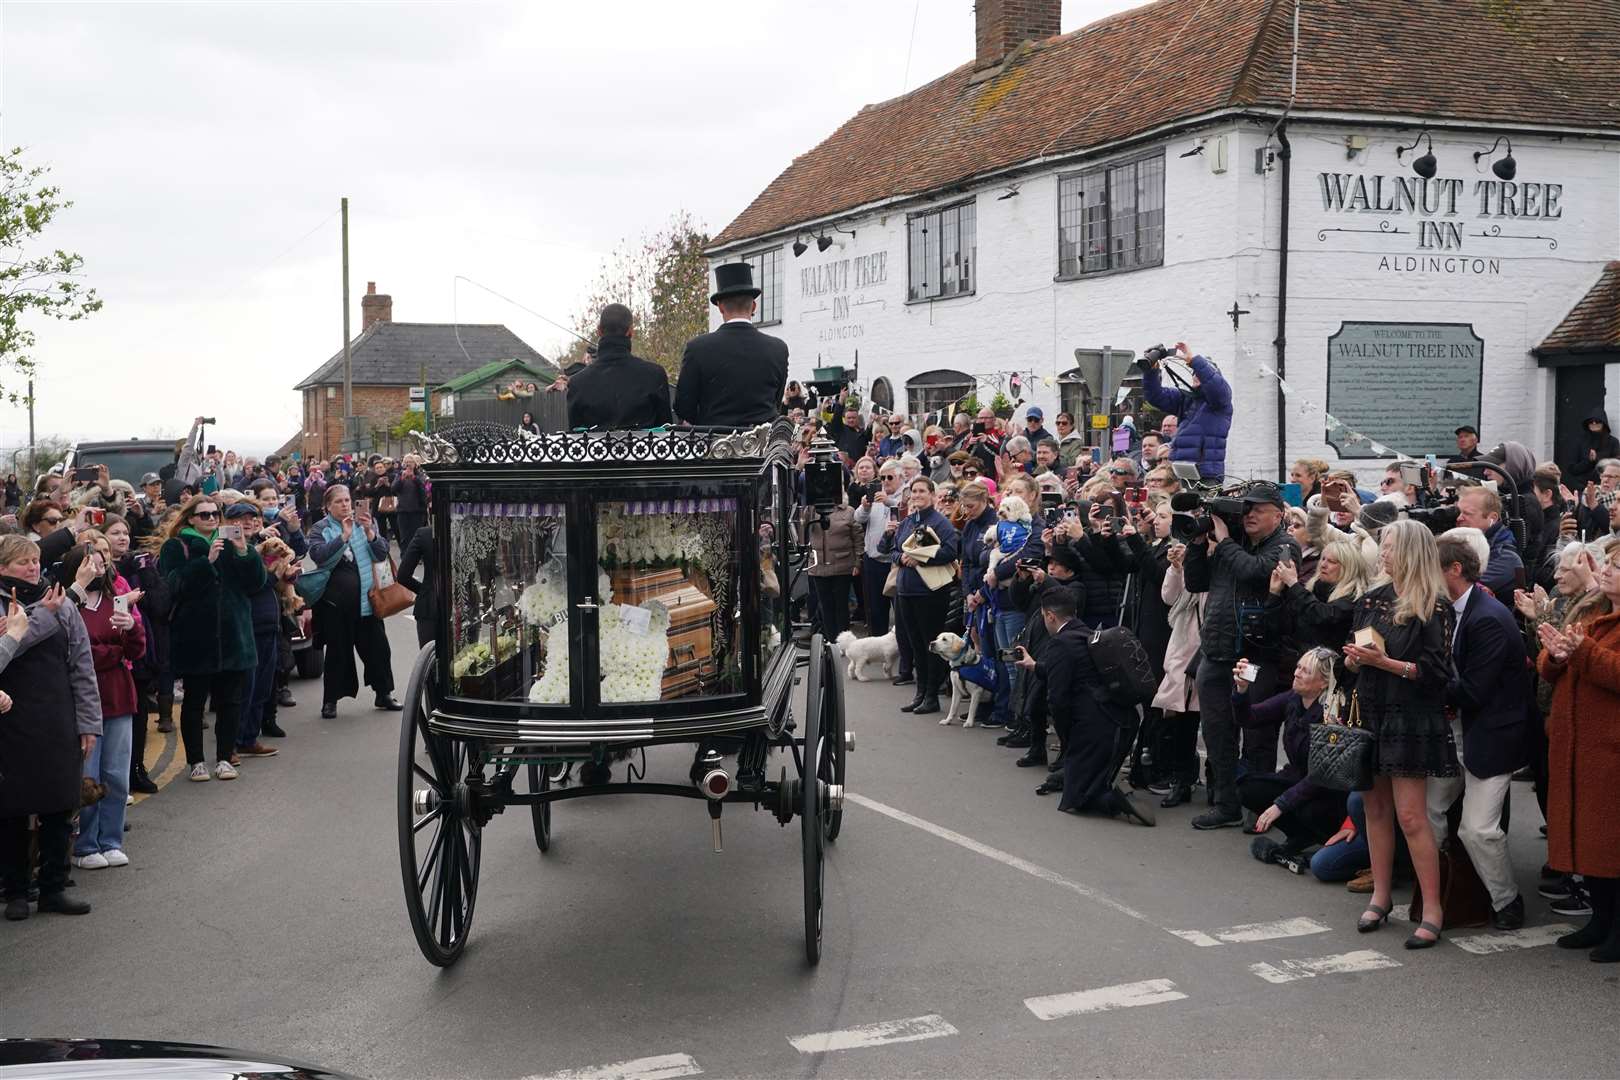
pixel 1341 755
pixel 387 595
pixel 311 584
pixel 891 584
pixel 388 504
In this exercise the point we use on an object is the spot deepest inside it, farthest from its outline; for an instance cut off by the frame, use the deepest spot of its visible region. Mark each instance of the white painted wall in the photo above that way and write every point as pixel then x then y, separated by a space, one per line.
pixel 1221 244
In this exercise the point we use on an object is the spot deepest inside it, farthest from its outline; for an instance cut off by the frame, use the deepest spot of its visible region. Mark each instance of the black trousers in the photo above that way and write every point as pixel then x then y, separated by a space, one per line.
pixel 345 635
pixel 874 573
pixel 832 603
pixel 16 861
pixel 1221 732
pixel 1312 822
pixel 1178 748
pixel 922 618
pixel 225 689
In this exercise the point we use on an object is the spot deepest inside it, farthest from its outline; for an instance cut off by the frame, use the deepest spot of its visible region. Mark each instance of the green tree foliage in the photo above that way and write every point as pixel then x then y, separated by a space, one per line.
pixel 33 281
pixel 663 279
pixel 407 423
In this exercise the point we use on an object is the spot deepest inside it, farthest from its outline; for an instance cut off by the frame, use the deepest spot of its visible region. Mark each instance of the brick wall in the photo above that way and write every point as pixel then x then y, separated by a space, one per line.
pixel 1000 26
pixel 376 406
pixel 1221 240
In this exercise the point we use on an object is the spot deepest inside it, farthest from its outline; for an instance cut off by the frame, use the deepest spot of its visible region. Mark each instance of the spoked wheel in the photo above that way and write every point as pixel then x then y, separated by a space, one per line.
pixel 814 809
pixel 439 844
pixel 540 780
pixel 832 698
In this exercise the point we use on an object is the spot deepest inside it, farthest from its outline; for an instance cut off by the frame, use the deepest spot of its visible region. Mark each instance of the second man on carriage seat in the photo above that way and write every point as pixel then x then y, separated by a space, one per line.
pixel 618 391
pixel 733 376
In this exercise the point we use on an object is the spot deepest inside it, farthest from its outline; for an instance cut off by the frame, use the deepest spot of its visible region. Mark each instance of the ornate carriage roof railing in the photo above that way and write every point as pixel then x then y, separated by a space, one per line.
pixel 478 443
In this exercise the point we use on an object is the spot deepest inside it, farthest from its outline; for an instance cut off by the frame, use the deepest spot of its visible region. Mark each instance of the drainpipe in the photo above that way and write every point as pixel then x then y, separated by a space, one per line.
pixel 1280 342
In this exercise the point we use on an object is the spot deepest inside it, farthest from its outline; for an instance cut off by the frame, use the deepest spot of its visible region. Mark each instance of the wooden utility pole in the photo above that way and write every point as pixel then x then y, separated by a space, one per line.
pixel 348 443
pixel 33 465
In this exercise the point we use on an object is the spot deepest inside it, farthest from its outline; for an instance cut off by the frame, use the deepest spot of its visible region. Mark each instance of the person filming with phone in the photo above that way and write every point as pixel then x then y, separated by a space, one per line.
pixel 349 543
pixel 1203 412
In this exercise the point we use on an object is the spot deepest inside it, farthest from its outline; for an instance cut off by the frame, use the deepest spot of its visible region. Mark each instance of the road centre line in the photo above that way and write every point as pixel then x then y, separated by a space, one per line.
pixel 1287 971
pixel 1509 940
pixel 1005 858
pixel 1104 998
pixel 1251 932
pixel 914 1029
pixel 662 1067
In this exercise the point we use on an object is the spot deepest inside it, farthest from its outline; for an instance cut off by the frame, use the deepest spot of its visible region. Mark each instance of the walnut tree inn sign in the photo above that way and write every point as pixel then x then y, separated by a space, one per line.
pixel 1454 226
pixel 1407 386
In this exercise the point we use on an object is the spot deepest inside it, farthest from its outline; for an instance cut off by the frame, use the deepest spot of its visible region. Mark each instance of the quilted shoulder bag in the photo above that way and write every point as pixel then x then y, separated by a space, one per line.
pixel 1341 755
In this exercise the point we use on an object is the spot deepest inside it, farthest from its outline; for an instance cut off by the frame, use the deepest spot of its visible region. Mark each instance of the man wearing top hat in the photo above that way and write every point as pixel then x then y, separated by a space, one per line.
pixel 733 376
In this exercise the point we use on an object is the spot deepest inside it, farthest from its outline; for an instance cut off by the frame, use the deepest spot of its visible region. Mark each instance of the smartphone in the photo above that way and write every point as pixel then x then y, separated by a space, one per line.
pixel 97 516
pixel 231 533
pixel 143 560
pixel 1136 495
pixel 288 502
pixel 1249 672
pixel 1007 656
pixel 121 604
pixel 89 474
pixel 978 427
pixel 1096 455
pixel 1412 475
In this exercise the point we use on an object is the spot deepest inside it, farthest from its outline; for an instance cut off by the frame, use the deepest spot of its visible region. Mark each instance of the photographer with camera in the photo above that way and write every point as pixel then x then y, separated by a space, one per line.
pixel 1032 580
pixel 1203 412
pixel 1104 562
pixel 1236 573
pixel 1480 508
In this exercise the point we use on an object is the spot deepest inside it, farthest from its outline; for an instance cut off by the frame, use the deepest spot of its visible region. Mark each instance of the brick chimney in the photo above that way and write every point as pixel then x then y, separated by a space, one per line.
pixel 375 307
pixel 1000 26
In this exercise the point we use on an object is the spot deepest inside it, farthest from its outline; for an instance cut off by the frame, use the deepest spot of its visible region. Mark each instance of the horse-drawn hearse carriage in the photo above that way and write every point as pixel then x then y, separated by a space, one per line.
pixel 601 593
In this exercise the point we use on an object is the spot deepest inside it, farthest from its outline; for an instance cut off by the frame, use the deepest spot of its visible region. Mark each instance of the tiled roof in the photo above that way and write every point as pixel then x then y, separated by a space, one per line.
pixel 394 353
pixel 1548 62
pixel 1593 325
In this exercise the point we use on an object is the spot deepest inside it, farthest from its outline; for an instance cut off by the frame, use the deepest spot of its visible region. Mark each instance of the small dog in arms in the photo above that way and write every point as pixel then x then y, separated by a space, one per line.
pixel 958 652
pixel 861 653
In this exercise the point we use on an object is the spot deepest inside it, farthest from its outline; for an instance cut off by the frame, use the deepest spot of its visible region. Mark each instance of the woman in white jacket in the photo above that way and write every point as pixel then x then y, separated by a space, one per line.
pixel 1178 691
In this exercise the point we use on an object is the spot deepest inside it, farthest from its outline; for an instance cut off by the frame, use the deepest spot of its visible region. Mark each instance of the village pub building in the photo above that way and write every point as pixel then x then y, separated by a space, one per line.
pixel 1383 220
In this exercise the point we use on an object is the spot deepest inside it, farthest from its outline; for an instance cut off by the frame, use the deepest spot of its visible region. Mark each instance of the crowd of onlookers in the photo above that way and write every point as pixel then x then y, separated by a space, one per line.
pixel 190 589
pixel 1469 649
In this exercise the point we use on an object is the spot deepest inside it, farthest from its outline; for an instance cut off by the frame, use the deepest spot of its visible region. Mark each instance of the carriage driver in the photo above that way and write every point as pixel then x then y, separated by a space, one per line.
pixel 618 391
pixel 734 376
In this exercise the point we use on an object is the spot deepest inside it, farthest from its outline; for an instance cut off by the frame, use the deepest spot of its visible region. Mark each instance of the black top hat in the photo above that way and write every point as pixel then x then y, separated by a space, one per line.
pixel 733 279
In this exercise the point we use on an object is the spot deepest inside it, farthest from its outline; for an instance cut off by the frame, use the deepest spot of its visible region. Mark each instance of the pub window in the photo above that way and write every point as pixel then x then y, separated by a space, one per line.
pixel 882 393
pixel 944 252
pixel 768 278
pixel 1112 218
pixel 936 391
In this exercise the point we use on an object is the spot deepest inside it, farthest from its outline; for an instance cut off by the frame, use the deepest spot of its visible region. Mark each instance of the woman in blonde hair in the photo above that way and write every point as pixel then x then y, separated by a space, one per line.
pixel 1321 612
pixel 1308 473
pixel 1400 687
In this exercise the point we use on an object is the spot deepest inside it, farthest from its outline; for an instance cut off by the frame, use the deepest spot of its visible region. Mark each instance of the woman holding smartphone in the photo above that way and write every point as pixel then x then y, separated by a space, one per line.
pixel 344 621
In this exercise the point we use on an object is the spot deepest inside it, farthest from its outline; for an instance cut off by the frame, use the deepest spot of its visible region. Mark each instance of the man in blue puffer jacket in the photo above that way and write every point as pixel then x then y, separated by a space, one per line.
pixel 1204 414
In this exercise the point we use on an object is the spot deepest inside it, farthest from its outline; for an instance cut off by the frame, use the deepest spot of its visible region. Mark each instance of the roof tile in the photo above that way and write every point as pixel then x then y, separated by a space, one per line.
pixel 1593 325
pixel 394 353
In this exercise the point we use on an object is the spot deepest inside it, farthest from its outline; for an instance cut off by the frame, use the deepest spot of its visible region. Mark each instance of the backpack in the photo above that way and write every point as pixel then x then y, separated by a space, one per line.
pixel 1123 667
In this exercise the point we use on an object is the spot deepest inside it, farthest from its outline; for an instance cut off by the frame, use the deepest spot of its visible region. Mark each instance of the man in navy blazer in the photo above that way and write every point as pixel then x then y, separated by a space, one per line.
pixel 1490 696
pixel 734 376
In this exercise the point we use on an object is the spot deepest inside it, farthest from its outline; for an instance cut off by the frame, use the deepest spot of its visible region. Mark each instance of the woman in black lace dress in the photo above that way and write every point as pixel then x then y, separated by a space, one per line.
pixel 1400 691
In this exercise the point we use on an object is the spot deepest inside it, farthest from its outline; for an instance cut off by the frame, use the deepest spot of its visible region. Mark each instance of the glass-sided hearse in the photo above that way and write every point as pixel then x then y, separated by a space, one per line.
pixel 600 593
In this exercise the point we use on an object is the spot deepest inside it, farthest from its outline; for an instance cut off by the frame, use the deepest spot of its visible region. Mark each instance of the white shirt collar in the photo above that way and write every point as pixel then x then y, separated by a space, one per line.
pixel 738 318
pixel 1462 601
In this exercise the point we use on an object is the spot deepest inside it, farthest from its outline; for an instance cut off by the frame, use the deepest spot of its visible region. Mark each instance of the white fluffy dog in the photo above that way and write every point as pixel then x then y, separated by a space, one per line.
pixel 1012 508
pixel 861 653
pixel 957 651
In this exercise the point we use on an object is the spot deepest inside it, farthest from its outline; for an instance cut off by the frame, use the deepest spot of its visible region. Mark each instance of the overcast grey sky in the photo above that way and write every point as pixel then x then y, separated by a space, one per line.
pixel 206 146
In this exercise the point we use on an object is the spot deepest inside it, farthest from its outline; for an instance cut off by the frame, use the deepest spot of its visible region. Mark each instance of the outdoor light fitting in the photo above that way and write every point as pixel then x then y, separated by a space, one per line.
pixel 823 242
pixel 1012 189
pixel 1425 166
pixel 1505 168
pixel 1194 152
pixel 800 247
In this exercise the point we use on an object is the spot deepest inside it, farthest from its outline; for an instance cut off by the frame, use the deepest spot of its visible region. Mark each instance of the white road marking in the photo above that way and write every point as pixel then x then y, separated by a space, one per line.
pixel 889 1031
pixel 1249 932
pixel 663 1067
pixel 1005 858
pixel 1102 999
pixel 1509 940
pixel 1288 971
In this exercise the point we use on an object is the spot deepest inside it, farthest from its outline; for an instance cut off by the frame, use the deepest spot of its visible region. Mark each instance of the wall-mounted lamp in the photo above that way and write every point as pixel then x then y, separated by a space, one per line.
pixel 1012 190
pixel 800 247
pixel 823 242
pixel 1353 145
pixel 1425 166
pixel 1194 152
pixel 1505 168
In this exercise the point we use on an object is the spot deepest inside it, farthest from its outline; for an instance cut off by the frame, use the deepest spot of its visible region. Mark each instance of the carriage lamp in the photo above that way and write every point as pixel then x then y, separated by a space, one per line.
pixel 824 477
pixel 1425 166
pixel 1505 168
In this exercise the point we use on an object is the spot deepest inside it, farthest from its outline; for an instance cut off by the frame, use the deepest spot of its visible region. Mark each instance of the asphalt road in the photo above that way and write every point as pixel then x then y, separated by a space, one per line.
pixel 971 930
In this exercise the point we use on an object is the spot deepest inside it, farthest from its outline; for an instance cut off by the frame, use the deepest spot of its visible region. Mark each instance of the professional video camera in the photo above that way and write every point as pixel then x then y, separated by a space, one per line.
pixel 1193 511
pixel 824 477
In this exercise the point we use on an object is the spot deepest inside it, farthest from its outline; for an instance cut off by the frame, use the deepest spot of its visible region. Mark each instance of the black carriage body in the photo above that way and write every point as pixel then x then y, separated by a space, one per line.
pixel 532 506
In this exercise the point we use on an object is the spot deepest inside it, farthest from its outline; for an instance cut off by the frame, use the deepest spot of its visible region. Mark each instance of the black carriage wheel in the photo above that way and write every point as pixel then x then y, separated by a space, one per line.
pixel 812 824
pixel 440 848
pixel 833 696
pixel 540 780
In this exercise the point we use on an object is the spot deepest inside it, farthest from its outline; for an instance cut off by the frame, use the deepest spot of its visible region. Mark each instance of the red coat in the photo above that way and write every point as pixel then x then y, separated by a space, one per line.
pixel 1583 754
pixel 113 651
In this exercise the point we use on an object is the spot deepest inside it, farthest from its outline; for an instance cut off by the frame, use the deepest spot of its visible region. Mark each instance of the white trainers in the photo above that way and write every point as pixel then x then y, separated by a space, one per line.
pixel 115 857
pixel 94 861
pixel 129 800
pixel 199 772
pixel 224 771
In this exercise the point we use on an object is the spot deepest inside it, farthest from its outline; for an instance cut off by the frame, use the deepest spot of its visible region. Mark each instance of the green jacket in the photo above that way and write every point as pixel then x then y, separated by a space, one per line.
pixel 212 627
